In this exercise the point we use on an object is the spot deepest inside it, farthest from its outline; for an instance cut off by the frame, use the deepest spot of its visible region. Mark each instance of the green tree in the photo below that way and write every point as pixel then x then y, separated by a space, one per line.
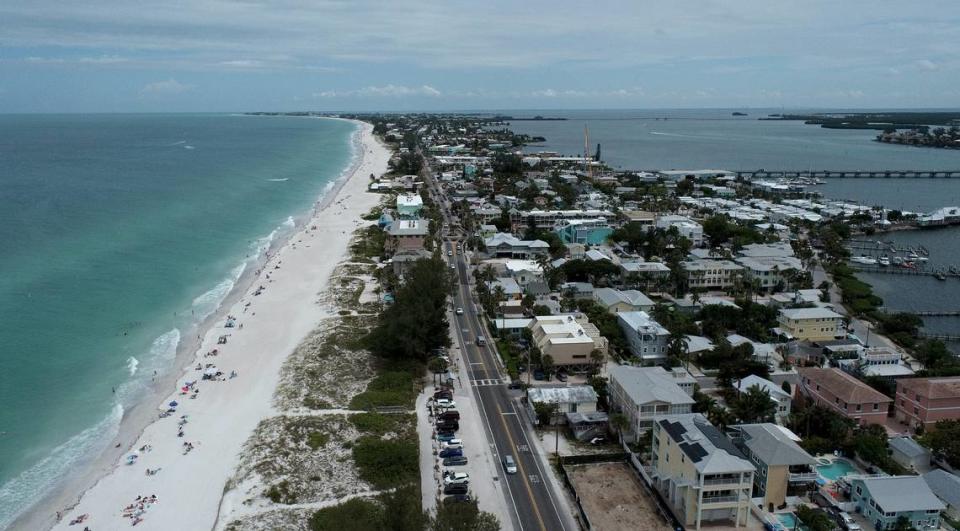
pixel 416 323
pixel 463 516
pixel 358 514
pixel 754 405
pixel 544 412
pixel 402 510
pixel 546 363
pixel 944 440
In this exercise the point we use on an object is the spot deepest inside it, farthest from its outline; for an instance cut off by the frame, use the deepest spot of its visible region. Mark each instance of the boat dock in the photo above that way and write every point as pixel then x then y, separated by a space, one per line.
pixel 951 272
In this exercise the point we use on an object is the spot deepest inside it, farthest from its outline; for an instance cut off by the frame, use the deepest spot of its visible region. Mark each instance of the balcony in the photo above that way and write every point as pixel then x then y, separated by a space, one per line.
pixel 722 480
pixel 802 477
pixel 720 499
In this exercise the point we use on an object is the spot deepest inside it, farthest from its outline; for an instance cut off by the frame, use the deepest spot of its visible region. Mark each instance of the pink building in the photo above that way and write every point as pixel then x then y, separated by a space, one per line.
pixel 924 401
pixel 837 390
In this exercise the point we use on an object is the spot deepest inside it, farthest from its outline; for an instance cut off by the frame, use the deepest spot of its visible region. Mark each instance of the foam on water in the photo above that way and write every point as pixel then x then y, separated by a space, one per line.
pixel 17 494
pixel 132 364
pixel 283 180
pixel 204 305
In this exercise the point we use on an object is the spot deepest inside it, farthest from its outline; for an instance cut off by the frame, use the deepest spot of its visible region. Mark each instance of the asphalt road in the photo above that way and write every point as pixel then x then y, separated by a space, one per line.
pixel 530 493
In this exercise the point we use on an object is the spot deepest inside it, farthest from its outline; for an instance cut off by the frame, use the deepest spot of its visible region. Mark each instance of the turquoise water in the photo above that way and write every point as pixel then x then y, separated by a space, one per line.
pixel 835 470
pixel 119 233
pixel 790 522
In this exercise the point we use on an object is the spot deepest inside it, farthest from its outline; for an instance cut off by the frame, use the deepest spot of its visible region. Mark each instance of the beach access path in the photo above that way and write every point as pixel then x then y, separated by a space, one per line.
pixel 189 485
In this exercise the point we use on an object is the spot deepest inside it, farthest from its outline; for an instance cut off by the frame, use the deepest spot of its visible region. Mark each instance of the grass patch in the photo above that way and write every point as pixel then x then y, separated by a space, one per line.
pixel 403 426
pixel 317 439
pixel 281 493
pixel 367 244
pixel 386 463
pixel 389 388
pixel 358 514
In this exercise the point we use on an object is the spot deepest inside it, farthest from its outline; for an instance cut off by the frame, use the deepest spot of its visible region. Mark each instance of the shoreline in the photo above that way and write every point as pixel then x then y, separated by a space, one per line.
pixel 140 417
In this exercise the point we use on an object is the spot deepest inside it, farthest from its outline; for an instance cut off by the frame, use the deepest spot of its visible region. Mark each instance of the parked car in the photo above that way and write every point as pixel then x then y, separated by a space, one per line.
pixel 450 425
pixel 457 488
pixel 455 461
pixel 453 478
pixel 538 374
pixel 509 464
pixel 451 452
pixel 459 311
pixel 848 522
pixel 443 437
pixel 443 394
pixel 453 443
pixel 445 403
pixel 456 498
pixel 450 414
pixel 562 376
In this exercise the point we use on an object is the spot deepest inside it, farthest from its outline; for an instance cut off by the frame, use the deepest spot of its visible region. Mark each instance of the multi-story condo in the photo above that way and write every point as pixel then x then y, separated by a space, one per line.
pixel 844 394
pixel 568 339
pixel 712 274
pixel 586 231
pixel 409 205
pixel 924 401
pixel 547 219
pixel 505 245
pixel 770 271
pixel 700 473
pixel 688 228
pixel 642 393
pixel 647 338
pixel 884 500
pixel 783 467
pixel 811 324
pixel 406 235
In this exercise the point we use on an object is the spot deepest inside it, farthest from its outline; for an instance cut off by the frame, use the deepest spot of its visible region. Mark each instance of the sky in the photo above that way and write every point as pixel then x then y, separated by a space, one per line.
pixel 360 55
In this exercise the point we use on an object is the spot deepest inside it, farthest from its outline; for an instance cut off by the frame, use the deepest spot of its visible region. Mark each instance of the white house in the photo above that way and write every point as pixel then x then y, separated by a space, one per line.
pixel 641 393
pixel 777 394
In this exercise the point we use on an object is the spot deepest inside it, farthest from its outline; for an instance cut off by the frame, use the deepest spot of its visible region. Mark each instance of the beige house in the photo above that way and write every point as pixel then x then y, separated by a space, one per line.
pixel 783 467
pixel 700 473
pixel 406 235
pixel 616 301
pixel 567 338
pixel 811 324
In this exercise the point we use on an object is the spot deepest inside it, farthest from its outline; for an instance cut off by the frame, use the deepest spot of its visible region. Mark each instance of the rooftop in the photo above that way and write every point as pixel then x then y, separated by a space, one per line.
pixel 809 313
pixel 642 322
pixel 902 493
pixel 563 395
pixel 649 384
pixel 843 386
pixel 773 445
pixel 709 450
pixel 947 387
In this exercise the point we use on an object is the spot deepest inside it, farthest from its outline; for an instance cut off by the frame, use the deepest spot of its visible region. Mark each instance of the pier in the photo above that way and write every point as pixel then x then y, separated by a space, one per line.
pixel 849 174
pixel 895 270
pixel 941 337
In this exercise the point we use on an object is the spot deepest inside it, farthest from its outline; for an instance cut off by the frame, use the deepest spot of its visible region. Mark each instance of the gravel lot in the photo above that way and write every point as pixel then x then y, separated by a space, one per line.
pixel 613 498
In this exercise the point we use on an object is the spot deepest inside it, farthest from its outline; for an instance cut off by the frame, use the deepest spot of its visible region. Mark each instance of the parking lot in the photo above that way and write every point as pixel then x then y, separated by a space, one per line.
pixel 484 469
pixel 613 498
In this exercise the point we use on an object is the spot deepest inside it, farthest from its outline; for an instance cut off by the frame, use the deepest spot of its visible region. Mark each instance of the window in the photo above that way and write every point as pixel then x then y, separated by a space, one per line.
pixel 859 408
pixel 876 406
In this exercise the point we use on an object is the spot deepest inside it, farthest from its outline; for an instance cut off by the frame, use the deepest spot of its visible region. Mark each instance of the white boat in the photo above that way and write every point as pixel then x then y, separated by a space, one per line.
pixel 884 261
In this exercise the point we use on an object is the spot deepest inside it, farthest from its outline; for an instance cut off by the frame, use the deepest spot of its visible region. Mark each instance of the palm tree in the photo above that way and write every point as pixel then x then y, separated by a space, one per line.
pixel 678 346
pixel 619 422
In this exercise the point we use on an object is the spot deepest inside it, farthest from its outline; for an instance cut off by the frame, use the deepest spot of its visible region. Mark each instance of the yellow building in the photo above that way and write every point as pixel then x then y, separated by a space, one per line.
pixel 568 339
pixel 700 472
pixel 811 324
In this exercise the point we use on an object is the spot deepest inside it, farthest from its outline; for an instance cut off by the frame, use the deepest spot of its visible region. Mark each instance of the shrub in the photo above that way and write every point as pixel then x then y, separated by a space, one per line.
pixel 317 439
pixel 358 514
pixel 386 463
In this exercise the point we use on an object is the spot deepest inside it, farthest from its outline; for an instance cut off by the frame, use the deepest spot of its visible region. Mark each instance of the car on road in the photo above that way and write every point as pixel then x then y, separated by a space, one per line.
pixel 516 384
pixel 456 498
pixel 451 452
pixel 459 311
pixel 449 253
pixel 455 461
pixel 509 464
pixel 457 488
pixel 454 478
pixel 445 403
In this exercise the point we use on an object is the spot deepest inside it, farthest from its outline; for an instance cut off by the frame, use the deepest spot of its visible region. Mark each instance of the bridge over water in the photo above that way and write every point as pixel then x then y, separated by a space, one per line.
pixel 849 174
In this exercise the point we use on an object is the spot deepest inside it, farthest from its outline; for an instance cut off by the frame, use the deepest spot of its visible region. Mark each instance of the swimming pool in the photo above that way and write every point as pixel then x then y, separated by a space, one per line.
pixel 790 522
pixel 835 470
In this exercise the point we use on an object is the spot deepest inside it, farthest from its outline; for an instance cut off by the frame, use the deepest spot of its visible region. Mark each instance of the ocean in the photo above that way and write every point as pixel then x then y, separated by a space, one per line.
pixel 713 138
pixel 119 234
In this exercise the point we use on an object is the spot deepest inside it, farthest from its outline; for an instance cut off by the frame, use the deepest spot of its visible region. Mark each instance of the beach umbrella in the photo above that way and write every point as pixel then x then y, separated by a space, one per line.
pixel 173 404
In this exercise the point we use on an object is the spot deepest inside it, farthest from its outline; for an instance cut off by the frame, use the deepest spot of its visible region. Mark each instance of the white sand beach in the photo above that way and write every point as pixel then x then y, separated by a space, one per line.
pixel 188 485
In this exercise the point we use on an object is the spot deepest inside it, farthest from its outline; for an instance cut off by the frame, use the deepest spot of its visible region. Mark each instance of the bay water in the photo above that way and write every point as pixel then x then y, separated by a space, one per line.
pixel 118 234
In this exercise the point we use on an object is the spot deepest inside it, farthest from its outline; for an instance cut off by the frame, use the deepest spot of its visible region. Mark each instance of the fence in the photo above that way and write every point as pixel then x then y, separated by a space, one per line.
pixel 576 497
pixel 648 485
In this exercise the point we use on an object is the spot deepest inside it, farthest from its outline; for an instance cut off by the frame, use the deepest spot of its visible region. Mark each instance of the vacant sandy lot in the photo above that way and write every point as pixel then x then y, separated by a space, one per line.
pixel 613 497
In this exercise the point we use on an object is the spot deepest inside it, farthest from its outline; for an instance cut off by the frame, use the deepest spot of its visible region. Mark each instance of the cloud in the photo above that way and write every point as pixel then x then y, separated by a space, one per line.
pixel 928 65
pixel 384 91
pixel 166 87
